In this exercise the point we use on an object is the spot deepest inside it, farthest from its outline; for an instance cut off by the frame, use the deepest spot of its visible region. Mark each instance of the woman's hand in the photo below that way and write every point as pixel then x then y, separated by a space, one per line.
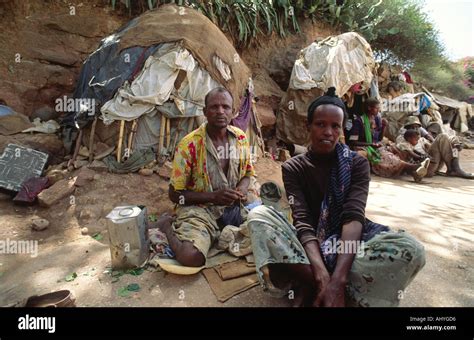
pixel 332 296
pixel 322 279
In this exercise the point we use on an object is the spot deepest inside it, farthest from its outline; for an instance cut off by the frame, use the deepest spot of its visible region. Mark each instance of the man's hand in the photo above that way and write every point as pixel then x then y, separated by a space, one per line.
pixel 332 296
pixel 226 196
pixel 243 190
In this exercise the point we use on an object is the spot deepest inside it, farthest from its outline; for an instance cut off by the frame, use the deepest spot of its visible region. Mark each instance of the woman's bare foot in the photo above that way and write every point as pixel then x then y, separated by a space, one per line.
pixel 303 296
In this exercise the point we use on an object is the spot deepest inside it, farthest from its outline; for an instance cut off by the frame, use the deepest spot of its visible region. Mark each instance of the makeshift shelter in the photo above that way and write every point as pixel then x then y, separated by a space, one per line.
pixel 340 61
pixel 453 112
pixel 155 72
pixel 397 110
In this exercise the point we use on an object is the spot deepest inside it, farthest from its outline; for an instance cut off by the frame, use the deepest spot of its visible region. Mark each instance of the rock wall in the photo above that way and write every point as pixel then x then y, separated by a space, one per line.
pixel 43 46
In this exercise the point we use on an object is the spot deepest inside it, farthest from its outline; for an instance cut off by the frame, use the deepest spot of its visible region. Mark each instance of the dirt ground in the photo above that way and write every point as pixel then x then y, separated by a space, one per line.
pixel 439 212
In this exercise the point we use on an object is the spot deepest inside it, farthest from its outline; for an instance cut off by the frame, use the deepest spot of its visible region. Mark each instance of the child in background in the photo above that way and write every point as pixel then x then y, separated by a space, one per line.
pixel 407 147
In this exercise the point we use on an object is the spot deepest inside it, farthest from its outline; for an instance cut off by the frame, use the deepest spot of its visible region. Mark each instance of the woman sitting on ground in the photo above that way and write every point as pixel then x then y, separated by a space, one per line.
pixel 366 136
pixel 332 255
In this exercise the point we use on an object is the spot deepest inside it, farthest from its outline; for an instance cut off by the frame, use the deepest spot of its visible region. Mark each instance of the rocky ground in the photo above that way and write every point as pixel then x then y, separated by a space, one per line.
pixel 439 212
pixel 43 48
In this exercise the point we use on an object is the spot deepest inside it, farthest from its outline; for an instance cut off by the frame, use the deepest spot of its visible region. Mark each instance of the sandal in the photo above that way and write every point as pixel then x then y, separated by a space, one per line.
pixel 422 170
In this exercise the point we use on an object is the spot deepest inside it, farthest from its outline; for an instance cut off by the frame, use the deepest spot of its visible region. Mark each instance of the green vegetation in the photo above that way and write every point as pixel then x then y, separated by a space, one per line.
pixel 398 30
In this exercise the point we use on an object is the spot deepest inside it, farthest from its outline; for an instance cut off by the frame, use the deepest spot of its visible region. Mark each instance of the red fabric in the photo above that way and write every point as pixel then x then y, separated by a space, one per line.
pixel 31 188
pixel 356 88
pixel 407 77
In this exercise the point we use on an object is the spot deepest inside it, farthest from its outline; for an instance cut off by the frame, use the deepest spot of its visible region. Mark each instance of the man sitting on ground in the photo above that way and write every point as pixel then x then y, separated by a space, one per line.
pixel 209 181
pixel 442 149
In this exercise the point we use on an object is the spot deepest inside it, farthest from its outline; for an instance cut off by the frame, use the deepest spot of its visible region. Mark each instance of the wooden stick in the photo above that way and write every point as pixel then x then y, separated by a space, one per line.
pixel 119 146
pixel 91 140
pixel 168 133
pixel 190 124
pixel 176 135
pixel 132 134
pixel 258 124
pixel 76 149
pixel 162 134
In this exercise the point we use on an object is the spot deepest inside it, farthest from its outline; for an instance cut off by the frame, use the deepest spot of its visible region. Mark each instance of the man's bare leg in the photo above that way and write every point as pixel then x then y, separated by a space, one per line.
pixel 185 252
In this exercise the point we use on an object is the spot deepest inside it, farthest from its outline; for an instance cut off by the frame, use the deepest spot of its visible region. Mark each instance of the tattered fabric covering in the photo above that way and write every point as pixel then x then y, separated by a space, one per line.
pixel 157 83
pixel 170 23
pixel 445 101
pixel 451 108
pixel 292 115
pixel 397 110
pixel 340 61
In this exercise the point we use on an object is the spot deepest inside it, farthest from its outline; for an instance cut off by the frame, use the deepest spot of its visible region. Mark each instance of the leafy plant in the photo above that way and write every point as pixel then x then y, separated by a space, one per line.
pixel 97 236
pixel 71 277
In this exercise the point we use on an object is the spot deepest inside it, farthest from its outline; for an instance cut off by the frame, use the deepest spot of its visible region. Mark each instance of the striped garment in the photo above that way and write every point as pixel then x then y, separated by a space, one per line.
pixel 329 227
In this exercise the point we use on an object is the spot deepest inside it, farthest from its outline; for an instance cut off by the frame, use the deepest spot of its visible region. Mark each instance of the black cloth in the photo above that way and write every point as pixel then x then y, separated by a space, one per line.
pixel 328 98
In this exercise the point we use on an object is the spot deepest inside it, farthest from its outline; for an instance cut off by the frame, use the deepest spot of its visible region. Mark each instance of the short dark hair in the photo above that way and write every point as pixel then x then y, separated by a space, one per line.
pixel 372 101
pixel 410 133
pixel 395 85
pixel 219 89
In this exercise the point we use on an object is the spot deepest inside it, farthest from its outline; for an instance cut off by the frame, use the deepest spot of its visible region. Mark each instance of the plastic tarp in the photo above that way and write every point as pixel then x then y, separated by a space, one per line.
pixel 156 84
pixel 5 110
pixel 292 115
pixel 396 111
pixel 157 69
pixel 104 71
pixel 454 111
pixel 340 61
pixel 193 45
pixel 197 34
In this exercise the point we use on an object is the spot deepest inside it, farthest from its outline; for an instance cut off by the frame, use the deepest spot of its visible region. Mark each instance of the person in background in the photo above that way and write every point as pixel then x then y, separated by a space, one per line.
pixel 407 147
pixel 366 136
pixel 443 149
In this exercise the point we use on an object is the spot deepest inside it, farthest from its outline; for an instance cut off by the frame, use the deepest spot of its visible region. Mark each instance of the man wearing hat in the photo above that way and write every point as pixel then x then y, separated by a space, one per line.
pixel 442 149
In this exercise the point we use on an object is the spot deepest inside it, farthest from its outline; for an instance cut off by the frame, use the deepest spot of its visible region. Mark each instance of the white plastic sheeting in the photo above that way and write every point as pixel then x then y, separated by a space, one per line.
pixel 340 61
pixel 155 86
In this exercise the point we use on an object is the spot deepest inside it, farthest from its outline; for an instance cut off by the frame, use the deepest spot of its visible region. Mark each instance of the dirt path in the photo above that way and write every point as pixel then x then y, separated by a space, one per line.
pixel 439 213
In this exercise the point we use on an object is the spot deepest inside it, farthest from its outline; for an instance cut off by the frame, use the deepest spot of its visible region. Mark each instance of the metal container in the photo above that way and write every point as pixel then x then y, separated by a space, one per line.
pixel 128 235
